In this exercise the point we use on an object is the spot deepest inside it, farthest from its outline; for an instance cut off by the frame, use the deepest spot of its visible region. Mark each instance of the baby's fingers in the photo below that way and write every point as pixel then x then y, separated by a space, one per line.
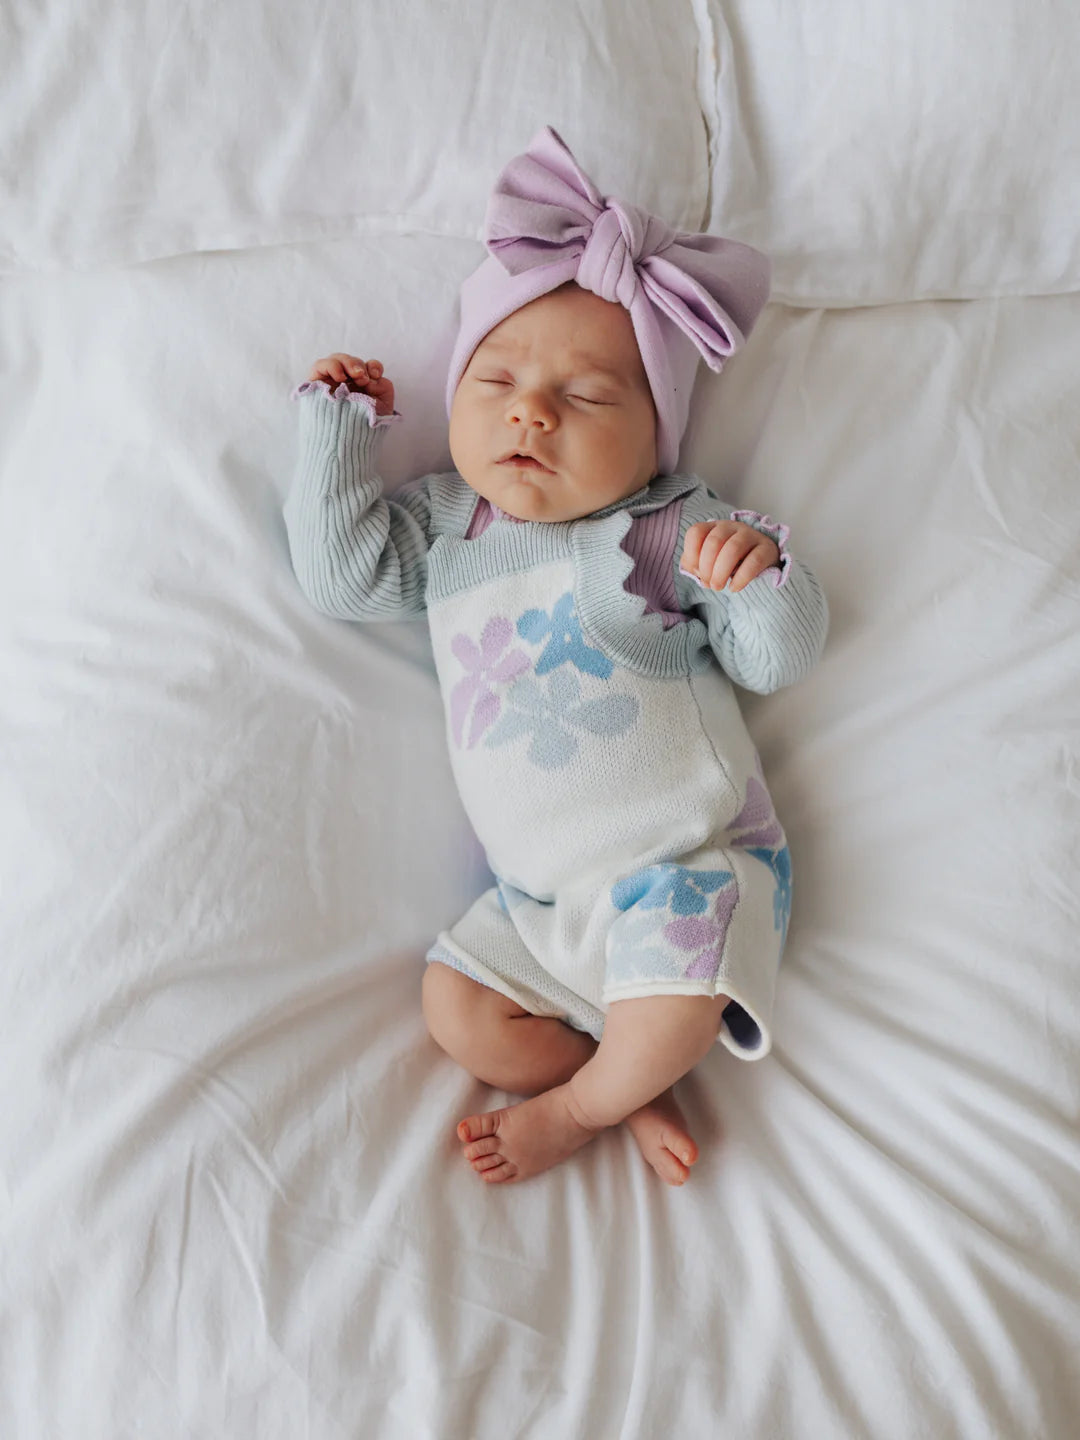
pixel 366 376
pixel 382 392
pixel 363 373
pixel 695 538
pixel 341 368
pixel 729 556
pixel 760 558
pixel 714 564
pixel 331 369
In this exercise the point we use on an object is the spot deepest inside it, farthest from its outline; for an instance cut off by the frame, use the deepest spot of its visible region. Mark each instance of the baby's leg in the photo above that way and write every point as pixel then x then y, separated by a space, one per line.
pixel 495 1039
pixel 646 1046
pixel 498 1042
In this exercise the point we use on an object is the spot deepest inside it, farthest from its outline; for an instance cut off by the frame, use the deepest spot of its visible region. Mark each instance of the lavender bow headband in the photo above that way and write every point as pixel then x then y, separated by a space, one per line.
pixel 689 296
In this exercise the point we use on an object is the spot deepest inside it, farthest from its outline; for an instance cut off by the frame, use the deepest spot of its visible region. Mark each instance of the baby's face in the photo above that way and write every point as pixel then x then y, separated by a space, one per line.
pixel 561 381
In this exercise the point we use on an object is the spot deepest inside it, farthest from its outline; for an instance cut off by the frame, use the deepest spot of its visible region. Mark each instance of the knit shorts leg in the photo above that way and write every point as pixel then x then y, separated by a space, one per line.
pixel 486 946
pixel 710 923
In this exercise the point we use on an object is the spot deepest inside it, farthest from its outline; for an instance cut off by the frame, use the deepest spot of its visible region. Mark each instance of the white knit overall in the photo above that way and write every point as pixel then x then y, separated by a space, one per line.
pixel 596 739
pixel 608 773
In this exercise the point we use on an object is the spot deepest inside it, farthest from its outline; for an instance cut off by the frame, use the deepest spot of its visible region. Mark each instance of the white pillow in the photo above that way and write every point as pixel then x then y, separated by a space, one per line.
pixel 883 152
pixel 138 131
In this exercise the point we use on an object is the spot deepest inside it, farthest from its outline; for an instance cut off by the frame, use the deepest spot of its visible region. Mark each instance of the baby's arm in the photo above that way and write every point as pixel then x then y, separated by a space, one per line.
pixel 356 555
pixel 767 627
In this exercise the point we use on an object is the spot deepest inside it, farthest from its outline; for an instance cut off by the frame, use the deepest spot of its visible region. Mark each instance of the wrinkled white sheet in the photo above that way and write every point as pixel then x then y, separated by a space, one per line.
pixel 231 1203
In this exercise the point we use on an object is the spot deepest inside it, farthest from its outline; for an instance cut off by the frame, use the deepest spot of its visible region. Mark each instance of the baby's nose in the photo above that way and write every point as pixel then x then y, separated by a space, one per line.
pixel 532 407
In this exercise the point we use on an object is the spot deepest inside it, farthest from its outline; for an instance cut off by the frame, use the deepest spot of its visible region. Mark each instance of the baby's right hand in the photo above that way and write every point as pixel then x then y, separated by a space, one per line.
pixel 363 375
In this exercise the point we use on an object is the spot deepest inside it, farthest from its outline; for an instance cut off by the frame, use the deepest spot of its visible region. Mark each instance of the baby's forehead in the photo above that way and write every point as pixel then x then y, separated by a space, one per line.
pixel 578 356
pixel 579 338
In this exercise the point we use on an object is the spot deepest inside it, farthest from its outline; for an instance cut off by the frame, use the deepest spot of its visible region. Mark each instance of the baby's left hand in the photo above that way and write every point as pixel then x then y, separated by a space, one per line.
pixel 717 551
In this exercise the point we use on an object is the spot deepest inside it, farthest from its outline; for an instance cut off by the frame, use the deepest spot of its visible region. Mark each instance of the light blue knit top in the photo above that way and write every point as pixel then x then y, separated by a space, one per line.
pixel 359 556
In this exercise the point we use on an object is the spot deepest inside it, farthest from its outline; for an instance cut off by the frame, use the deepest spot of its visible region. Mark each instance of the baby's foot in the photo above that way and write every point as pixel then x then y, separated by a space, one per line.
pixel 660 1131
pixel 524 1139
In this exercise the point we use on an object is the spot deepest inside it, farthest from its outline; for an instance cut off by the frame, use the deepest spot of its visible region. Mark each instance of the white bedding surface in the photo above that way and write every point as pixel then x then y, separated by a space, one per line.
pixel 883 153
pixel 134 132
pixel 231 1202
pixel 230 1199
pixel 879 153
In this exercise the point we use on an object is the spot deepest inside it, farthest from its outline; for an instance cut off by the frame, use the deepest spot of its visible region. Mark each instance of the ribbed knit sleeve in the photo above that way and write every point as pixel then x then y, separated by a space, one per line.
pixel 765 636
pixel 356 555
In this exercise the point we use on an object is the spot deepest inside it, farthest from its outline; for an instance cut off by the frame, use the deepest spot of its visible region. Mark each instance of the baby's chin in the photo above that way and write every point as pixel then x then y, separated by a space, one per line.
pixel 528 502
pixel 539 499
pixel 545 498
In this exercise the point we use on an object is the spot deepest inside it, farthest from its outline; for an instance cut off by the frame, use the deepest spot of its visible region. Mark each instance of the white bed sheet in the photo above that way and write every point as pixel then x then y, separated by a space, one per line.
pixel 230 1199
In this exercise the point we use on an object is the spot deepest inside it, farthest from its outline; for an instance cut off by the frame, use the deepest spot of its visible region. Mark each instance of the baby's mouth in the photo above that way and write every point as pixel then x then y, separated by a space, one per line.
pixel 526 462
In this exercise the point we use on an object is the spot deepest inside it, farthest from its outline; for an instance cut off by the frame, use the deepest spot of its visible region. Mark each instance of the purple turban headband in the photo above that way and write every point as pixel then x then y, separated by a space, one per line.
pixel 688 295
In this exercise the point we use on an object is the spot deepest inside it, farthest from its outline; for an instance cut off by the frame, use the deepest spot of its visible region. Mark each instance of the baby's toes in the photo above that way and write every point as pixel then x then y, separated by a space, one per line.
pixel 476 1127
pixel 505 1170
pixel 487 1162
pixel 673 1157
pixel 668 1166
pixel 681 1146
pixel 487 1146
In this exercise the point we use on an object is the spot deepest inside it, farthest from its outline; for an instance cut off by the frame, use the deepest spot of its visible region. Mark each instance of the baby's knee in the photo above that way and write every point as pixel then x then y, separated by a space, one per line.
pixel 443 999
pixel 457 1008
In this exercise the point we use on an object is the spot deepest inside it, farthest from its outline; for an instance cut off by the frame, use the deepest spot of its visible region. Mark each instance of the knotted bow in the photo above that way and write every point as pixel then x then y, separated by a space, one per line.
pixel 545 209
pixel 688 296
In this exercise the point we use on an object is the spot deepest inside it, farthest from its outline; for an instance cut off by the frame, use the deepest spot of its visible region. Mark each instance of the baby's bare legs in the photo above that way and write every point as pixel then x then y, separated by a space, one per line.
pixel 579 1088
pixel 495 1039
pixel 646 1046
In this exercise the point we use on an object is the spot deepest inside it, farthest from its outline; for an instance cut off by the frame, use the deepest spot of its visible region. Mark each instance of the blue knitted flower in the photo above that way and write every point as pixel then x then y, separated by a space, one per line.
pixel 633 955
pixel 566 640
pixel 551 714
pixel 779 862
pixel 686 891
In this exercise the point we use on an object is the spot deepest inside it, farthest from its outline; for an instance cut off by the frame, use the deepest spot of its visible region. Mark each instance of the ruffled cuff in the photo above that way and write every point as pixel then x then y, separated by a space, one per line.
pixel 344 395
pixel 777 533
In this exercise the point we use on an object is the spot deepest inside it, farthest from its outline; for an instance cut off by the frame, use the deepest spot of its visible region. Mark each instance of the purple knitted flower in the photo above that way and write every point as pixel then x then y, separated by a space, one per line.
pixel 704 937
pixel 473 699
pixel 756 823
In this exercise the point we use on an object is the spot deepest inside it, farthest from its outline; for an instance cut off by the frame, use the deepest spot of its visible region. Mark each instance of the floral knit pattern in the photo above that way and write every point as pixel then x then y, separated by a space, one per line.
pixel 554 716
pixel 496 698
pixel 757 831
pixel 565 642
pixel 693 910
pixel 675 919
pixel 474 701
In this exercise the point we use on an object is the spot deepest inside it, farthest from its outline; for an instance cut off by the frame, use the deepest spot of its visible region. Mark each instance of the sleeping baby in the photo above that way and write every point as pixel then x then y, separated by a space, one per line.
pixel 591 611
